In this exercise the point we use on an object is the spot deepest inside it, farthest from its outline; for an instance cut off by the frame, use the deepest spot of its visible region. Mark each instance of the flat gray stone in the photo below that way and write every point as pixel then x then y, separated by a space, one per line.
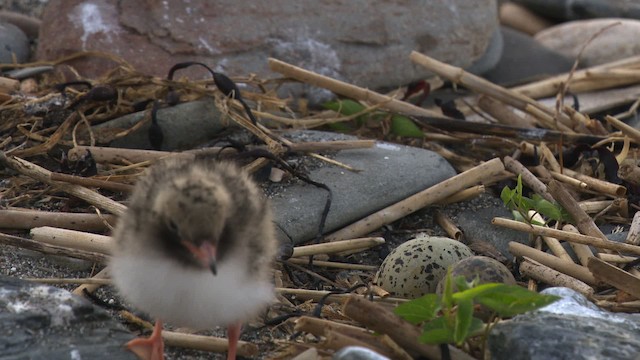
pixel 13 42
pixel 184 126
pixel 389 173
pixel 45 322
pixel 572 328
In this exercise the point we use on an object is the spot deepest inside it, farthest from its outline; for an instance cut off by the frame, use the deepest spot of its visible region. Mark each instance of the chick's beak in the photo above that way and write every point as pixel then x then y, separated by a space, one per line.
pixel 205 253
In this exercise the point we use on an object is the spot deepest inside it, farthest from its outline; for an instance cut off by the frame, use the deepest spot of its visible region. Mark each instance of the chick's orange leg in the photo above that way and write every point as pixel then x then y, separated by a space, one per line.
pixel 151 348
pixel 233 333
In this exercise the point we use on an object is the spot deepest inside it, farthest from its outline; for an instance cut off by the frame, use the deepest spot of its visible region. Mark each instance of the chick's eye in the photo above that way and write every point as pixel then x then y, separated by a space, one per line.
pixel 172 226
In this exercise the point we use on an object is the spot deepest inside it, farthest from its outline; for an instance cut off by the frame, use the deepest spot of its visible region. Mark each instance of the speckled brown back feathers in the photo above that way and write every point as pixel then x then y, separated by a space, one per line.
pixel 199 199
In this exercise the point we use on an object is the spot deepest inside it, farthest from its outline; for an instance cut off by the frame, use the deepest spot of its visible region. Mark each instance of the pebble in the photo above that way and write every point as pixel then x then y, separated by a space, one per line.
pixel 616 42
pixel 13 42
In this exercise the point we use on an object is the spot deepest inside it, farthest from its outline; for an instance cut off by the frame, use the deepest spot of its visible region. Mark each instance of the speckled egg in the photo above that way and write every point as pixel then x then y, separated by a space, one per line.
pixel 485 268
pixel 415 267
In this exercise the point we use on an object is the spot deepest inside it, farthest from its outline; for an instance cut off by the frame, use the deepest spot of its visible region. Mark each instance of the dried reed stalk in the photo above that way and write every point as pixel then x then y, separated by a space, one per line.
pixel 568 268
pixel 503 113
pixel 545 274
pixel 102 274
pixel 598 185
pixel 482 86
pixel 333 264
pixel 634 230
pixel 420 200
pixel 582 80
pixel 89 182
pixel 27 219
pixel 553 243
pixel 316 295
pixel 463 195
pixel 337 246
pixel 628 130
pixel 617 259
pixel 34 245
pixel 583 251
pixel 568 236
pixel 348 90
pixel 528 178
pixel 449 227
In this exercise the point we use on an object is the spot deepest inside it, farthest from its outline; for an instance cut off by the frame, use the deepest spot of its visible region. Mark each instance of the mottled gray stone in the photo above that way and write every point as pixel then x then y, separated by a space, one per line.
pixel 45 322
pixel 389 173
pixel 13 42
pixel 572 328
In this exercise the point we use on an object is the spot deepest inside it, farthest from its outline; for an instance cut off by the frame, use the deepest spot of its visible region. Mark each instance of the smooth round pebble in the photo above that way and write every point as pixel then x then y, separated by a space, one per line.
pixel 414 268
pixel 487 270
pixel 13 42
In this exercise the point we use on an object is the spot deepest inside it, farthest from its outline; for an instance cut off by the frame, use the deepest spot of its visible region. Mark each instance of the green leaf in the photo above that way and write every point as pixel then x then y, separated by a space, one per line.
pixel 464 315
pixel 477 327
pixel 419 310
pixel 462 284
pixel 507 196
pixel 437 332
pixel 475 292
pixel 447 293
pixel 511 300
pixel 403 126
pixel 345 107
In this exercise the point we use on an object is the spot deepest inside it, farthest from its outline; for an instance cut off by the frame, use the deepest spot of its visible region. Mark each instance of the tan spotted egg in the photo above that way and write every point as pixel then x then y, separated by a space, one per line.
pixel 485 268
pixel 415 267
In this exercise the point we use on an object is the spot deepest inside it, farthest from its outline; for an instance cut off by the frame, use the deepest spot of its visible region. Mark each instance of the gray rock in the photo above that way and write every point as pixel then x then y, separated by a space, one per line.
pixel 362 42
pixel 184 126
pixel 475 222
pixel 563 10
pixel 390 173
pixel 357 353
pixel 13 42
pixel 617 42
pixel 44 322
pixel 572 328
pixel 523 59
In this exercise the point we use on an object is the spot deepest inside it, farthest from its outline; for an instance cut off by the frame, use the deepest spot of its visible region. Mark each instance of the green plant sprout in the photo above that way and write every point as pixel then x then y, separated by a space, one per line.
pixel 400 125
pixel 520 205
pixel 448 318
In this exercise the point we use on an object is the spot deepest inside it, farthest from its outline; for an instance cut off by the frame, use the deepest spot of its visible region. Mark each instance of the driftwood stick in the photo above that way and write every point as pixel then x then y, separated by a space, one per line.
pixel 27 219
pixel 545 274
pixel 72 239
pixel 420 200
pixel 617 259
pixel 337 246
pixel 568 236
pixel 584 222
pixel 34 245
pixel 615 277
pixel 70 281
pixel 527 177
pixel 41 174
pixel 579 272
pixel 89 182
pixel 348 90
pixel 381 320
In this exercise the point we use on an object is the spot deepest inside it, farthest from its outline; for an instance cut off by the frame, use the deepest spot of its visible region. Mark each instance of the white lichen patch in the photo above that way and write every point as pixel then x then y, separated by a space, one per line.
pixel 387 146
pixel 94 17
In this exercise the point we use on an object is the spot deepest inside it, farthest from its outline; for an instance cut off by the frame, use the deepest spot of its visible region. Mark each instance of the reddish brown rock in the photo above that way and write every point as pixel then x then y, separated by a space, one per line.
pixel 365 42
